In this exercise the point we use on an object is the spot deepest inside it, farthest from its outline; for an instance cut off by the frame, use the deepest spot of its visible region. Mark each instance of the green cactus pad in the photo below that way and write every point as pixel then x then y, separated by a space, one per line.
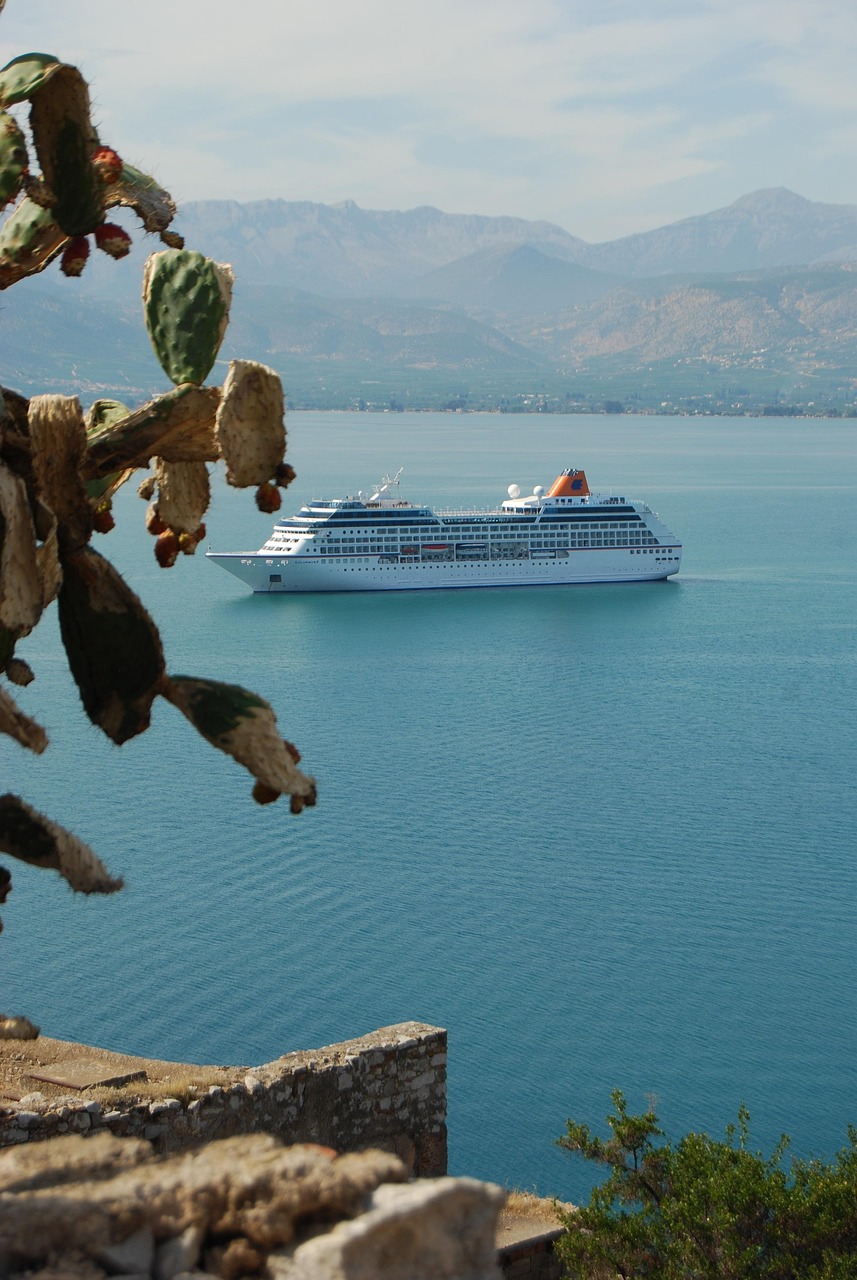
pixel 64 138
pixel 186 303
pixel 29 239
pixel 25 75
pixel 13 158
pixel 113 647
pixel 104 413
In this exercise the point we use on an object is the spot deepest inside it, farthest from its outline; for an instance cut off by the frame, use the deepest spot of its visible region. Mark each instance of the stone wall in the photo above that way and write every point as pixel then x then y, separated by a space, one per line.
pixel 532 1259
pixel 386 1090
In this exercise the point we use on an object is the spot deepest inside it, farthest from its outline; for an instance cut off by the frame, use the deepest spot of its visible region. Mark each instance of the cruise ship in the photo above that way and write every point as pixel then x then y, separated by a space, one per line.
pixel 384 543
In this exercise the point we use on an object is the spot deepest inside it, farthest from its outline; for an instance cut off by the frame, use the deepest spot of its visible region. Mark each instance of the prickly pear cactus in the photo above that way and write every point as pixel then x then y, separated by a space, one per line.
pixel 186 301
pixel 60 466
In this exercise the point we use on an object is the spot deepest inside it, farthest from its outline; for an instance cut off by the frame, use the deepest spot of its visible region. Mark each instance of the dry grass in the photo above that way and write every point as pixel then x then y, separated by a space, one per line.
pixel 184 1087
pixel 526 1204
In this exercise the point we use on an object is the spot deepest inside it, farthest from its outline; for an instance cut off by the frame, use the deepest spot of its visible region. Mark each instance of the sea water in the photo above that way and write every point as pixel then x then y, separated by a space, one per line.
pixel 605 835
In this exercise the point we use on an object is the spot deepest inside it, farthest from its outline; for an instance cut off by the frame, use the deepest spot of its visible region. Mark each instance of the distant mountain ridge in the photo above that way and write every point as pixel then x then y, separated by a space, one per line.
pixel 345 251
pixel 335 294
pixel 769 228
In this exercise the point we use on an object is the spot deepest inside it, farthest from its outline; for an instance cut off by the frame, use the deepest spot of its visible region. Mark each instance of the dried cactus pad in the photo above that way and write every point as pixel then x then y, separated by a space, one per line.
pixel 243 725
pixel 114 650
pixel 186 301
pixel 250 427
pixel 21 596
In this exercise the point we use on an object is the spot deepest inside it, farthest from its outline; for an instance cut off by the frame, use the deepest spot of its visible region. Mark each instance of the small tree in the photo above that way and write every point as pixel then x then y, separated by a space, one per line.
pixel 708 1210
pixel 60 467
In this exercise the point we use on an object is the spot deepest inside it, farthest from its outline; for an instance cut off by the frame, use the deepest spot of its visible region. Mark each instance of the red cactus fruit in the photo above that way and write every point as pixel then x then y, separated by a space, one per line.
pixel 154 523
pixel 102 520
pixel 268 498
pixel 108 164
pixel 74 256
pixel 263 794
pixel 284 475
pixel 187 543
pixel 167 549
pixel 112 240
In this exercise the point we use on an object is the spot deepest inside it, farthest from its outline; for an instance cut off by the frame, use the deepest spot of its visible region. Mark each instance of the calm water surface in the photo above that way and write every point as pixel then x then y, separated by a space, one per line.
pixel 605 835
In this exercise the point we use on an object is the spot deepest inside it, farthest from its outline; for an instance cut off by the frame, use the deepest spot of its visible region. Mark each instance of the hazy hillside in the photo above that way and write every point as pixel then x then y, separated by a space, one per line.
pixel 798 315
pixel 389 333
pixel 521 280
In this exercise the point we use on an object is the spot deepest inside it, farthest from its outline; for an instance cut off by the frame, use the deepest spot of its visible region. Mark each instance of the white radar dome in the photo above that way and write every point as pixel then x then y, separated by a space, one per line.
pixel 514 491
pixel 539 490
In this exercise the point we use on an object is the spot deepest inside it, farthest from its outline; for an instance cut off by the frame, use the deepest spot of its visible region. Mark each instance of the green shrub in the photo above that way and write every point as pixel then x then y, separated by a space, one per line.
pixel 702 1209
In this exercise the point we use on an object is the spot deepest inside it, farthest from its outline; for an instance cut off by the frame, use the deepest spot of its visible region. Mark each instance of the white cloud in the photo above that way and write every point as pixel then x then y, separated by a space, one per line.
pixel 556 109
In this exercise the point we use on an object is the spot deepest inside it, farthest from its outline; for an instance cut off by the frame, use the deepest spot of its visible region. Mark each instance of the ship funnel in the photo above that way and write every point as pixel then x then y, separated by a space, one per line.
pixel 569 484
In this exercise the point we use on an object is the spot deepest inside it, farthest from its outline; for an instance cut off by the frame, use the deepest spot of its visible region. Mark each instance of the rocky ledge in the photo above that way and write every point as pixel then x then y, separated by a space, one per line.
pixel 86 1208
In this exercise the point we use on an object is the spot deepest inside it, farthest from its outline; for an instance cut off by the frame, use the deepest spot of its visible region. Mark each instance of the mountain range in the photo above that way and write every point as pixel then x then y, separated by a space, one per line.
pixel 762 293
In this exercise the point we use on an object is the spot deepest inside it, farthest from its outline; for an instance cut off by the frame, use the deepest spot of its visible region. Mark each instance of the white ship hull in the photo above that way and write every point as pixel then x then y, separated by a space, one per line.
pixel 382 543
pixel 270 574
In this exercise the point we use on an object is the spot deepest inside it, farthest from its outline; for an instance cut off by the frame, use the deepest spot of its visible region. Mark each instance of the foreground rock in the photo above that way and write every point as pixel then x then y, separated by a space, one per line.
pixel 86 1208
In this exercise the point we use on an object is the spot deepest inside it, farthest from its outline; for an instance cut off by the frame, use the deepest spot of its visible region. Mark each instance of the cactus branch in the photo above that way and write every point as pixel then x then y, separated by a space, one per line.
pixel 244 726
pixel 178 426
pixel 15 724
pixel 59 469
pixel 29 836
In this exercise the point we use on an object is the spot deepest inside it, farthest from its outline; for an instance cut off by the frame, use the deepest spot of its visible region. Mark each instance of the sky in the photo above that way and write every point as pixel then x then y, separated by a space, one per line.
pixel 606 118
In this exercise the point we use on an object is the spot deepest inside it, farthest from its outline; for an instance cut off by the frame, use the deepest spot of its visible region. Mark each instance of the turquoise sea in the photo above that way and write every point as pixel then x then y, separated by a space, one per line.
pixel 605 835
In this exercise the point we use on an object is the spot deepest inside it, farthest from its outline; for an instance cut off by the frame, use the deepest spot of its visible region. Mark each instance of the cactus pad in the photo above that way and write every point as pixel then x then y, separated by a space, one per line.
pixel 25 75
pixel 29 239
pixel 21 596
pixel 243 725
pixel 13 158
pixel 186 301
pixel 113 647
pixel 65 139
pixel 250 428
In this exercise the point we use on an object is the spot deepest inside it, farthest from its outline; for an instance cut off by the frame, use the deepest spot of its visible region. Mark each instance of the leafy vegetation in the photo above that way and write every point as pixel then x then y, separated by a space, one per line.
pixel 703 1209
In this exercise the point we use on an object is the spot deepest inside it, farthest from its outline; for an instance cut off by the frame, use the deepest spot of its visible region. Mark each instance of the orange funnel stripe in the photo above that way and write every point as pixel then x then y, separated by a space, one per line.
pixel 571 484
